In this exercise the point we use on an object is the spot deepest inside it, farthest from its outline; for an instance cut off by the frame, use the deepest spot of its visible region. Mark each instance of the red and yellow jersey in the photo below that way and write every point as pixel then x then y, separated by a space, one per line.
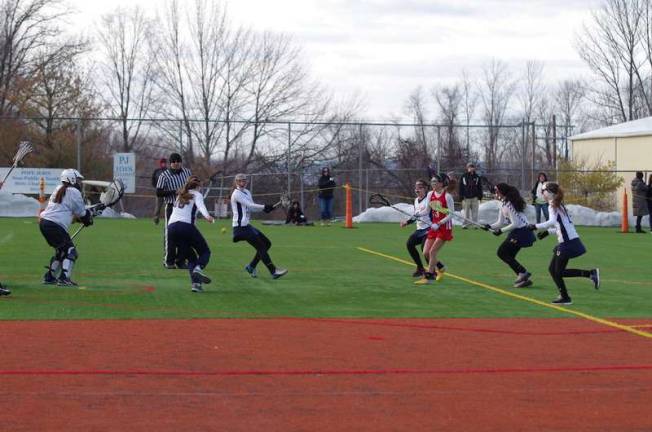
pixel 444 220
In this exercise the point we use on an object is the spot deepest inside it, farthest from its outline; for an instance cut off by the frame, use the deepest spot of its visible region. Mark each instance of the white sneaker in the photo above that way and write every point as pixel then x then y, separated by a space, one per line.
pixel 279 273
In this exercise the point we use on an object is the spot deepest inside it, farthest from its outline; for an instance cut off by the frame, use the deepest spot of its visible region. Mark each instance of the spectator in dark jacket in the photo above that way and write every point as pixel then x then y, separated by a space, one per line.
pixel 326 187
pixel 295 215
pixel 538 201
pixel 649 201
pixel 470 193
pixel 162 166
pixel 639 201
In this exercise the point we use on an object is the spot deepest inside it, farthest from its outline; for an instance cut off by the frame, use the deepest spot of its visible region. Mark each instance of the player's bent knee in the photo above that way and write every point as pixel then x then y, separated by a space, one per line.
pixel 71 254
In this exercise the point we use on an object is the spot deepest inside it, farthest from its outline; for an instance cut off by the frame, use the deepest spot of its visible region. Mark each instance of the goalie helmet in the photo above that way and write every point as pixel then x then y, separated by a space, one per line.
pixel 71 176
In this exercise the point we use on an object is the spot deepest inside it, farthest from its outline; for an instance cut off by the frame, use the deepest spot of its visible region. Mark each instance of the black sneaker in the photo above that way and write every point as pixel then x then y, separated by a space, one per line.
pixel 523 284
pixel 252 271
pixel 279 273
pixel 64 281
pixel 200 276
pixel 595 277
pixel 197 288
pixel 419 272
pixel 562 301
pixel 4 290
pixel 49 279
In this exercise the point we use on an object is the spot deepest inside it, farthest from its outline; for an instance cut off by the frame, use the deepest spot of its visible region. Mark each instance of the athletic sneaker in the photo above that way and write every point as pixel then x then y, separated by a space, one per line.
pixel 426 279
pixel 169 266
pixel 200 276
pixel 521 278
pixel 4 290
pixel 595 277
pixel 251 270
pixel 197 288
pixel 440 273
pixel 419 272
pixel 279 273
pixel 523 284
pixel 562 301
pixel 64 281
pixel 49 279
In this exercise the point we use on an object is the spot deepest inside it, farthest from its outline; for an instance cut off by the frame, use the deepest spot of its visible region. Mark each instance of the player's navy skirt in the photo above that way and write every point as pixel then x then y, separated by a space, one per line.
pixel 244 233
pixel 570 249
pixel 522 237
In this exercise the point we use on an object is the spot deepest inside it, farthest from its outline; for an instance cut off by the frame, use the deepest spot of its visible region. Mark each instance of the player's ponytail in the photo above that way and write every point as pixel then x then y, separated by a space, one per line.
pixel 61 192
pixel 184 196
pixel 558 194
pixel 512 196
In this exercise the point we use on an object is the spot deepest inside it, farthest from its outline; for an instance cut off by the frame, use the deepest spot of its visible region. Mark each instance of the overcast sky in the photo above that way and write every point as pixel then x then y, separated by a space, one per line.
pixel 383 49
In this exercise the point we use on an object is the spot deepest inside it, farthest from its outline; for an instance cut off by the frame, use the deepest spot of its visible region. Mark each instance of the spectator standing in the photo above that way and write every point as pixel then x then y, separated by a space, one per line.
pixel 639 199
pixel 326 187
pixel 470 193
pixel 162 166
pixel 169 182
pixel 538 200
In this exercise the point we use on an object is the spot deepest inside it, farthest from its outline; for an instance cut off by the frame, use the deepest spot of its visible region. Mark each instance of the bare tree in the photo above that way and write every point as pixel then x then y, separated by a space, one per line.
pixel 127 70
pixel 497 89
pixel 469 103
pixel 569 98
pixel 449 101
pixel 612 48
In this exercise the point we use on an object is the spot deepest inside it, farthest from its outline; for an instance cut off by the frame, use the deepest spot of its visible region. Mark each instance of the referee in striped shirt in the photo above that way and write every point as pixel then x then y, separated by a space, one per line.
pixel 169 182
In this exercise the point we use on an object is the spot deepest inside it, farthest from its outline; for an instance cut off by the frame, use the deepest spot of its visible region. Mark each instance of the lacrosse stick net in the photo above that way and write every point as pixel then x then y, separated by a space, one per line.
pixel 379 200
pixel 24 148
pixel 110 197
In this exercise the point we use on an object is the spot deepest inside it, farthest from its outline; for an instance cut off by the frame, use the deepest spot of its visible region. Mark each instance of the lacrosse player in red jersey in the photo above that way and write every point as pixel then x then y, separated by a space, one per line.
pixel 441 228
pixel 513 221
pixel 184 235
pixel 65 203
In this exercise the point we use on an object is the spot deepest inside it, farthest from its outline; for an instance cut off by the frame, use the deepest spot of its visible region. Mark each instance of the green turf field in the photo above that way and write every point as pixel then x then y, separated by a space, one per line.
pixel 121 275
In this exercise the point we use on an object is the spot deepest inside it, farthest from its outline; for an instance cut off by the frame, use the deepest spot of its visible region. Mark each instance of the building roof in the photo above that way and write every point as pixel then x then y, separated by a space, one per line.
pixel 640 127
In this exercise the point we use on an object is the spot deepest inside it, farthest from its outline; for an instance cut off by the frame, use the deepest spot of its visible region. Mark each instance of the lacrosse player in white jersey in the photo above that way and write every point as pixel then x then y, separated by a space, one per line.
pixel 512 220
pixel 242 205
pixel 65 203
pixel 422 219
pixel 569 245
pixel 184 235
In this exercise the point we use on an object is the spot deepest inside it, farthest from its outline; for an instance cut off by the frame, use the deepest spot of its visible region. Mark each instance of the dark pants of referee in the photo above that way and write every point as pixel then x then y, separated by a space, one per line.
pixel 258 240
pixel 190 243
pixel 417 238
pixel 171 256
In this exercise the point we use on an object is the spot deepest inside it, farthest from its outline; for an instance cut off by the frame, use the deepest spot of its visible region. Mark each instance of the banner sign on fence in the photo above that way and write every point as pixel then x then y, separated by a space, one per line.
pixel 124 168
pixel 26 180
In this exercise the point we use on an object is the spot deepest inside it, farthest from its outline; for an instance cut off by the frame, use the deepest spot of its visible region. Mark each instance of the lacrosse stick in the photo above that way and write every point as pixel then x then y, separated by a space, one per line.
pixel 284 201
pixel 436 206
pixel 108 198
pixel 379 200
pixel 24 148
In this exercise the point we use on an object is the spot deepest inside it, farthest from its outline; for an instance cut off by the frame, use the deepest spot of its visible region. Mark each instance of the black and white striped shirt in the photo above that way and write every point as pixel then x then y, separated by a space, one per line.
pixel 171 182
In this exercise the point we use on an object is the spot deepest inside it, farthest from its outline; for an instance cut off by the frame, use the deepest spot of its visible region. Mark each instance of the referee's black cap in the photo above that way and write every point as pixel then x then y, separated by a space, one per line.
pixel 175 157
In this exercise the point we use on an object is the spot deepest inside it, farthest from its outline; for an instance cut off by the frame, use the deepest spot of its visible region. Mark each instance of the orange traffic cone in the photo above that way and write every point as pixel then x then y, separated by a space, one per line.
pixel 624 224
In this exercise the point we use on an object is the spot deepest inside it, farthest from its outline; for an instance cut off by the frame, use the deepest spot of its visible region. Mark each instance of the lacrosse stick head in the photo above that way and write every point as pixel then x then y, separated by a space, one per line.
pixel 24 148
pixel 436 206
pixel 113 193
pixel 285 200
pixel 378 200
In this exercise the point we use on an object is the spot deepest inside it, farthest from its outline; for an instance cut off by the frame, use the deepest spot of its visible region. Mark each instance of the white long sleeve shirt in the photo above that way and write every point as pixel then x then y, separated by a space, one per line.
pixel 558 222
pixel 187 212
pixel 72 204
pixel 422 212
pixel 242 205
pixel 509 219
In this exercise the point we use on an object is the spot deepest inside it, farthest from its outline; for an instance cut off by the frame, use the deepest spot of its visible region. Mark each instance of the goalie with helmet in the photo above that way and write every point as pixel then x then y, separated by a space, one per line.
pixel 441 227
pixel 65 203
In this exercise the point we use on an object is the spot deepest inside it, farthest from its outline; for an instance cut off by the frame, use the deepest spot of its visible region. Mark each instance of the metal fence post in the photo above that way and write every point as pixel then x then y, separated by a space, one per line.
pixel 289 156
pixel 78 137
pixel 360 170
pixel 438 149
pixel 523 155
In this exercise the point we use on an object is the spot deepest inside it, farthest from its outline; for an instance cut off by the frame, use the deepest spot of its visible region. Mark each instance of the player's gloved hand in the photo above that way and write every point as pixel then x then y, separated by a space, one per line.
pixel 87 219
pixel 434 226
pixel 542 235
pixel 532 227
pixel 497 232
pixel 486 227
pixel 268 208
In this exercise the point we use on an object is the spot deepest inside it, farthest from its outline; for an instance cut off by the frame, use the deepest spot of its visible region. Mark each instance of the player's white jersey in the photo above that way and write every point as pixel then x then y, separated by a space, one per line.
pixel 186 212
pixel 558 222
pixel 509 219
pixel 72 204
pixel 242 205
pixel 422 211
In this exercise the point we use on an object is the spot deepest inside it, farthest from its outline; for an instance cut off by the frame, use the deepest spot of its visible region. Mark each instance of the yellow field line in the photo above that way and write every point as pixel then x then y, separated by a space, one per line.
pixel 523 298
